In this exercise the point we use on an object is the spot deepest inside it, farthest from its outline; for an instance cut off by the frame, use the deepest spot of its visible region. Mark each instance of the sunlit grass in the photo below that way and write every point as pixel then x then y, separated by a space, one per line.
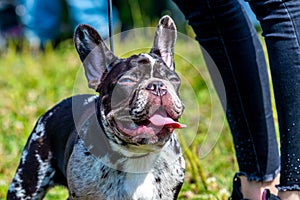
pixel 31 83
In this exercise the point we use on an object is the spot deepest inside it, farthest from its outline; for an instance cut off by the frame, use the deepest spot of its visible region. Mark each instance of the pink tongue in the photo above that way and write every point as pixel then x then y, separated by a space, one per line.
pixel 159 120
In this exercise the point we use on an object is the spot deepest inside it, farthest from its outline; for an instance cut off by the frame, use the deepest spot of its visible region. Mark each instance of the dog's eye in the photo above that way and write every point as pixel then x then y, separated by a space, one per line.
pixel 127 80
pixel 174 79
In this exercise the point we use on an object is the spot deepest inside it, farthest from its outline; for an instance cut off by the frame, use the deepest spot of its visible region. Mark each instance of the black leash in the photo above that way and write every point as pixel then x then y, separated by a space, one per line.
pixel 111 41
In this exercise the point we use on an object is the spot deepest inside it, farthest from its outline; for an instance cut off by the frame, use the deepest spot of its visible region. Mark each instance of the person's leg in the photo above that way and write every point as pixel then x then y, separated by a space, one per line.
pixel 280 21
pixel 224 31
pixel 41 20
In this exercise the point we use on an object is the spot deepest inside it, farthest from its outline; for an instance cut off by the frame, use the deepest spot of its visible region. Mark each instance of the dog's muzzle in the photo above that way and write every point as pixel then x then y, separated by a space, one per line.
pixel 152 116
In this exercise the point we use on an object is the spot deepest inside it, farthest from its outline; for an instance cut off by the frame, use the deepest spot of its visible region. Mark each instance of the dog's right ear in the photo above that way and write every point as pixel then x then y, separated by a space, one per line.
pixel 94 54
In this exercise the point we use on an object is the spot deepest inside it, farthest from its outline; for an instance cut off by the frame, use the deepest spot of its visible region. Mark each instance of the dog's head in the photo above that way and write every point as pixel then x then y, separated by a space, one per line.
pixel 139 102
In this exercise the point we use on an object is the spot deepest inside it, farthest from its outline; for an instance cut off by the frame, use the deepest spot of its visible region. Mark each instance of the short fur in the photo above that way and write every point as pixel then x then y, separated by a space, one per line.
pixel 110 146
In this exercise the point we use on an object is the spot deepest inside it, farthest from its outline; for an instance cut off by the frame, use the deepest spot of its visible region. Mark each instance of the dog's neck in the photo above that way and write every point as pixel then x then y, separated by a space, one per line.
pixel 114 152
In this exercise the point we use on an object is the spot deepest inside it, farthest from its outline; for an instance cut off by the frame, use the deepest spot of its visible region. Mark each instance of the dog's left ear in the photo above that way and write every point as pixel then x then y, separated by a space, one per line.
pixel 164 40
pixel 94 54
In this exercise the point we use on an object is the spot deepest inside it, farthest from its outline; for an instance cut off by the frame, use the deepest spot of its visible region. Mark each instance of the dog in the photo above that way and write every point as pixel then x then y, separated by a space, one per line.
pixel 118 144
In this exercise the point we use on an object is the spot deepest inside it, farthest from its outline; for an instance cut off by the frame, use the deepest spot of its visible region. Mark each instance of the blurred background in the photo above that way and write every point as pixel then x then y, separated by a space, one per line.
pixel 42 21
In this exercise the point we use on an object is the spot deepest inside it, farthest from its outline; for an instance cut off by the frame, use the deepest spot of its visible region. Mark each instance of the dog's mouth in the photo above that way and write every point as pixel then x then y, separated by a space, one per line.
pixel 154 129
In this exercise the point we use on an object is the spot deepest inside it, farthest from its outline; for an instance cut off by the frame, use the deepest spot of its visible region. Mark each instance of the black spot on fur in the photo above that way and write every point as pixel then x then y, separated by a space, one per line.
pixel 73 194
pixel 176 190
pixel 165 165
pixel 176 148
pixel 48 174
pixel 39 133
pixel 180 160
pixel 17 185
pixel 157 180
pixel 104 175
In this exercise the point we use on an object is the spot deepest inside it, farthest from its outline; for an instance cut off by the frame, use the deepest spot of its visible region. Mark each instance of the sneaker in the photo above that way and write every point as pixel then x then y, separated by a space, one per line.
pixel 268 196
pixel 236 189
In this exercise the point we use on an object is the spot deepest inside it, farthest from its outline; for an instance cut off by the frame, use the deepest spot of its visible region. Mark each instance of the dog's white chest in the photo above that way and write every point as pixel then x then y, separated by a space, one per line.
pixel 94 178
pixel 140 186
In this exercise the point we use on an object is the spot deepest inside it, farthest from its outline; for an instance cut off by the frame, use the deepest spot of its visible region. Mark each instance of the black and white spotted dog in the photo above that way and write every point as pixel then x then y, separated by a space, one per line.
pixel 118 145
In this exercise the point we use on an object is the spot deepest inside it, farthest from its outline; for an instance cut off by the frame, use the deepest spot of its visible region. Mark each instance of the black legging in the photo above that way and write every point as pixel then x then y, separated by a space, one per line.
pixel 225 32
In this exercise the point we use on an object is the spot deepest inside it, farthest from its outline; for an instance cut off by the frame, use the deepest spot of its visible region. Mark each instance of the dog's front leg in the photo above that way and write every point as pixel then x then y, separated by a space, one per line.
pixel 35 174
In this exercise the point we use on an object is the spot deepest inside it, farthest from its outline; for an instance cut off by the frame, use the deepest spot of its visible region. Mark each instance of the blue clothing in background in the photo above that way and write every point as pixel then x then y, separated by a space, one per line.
pixel 42 18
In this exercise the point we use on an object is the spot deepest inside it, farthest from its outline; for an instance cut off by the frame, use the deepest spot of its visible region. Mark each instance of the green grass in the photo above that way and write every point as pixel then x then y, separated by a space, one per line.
pixel 32 83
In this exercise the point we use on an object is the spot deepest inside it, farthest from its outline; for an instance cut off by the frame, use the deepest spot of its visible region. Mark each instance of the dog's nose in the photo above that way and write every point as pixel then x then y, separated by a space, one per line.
pixel 157 88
